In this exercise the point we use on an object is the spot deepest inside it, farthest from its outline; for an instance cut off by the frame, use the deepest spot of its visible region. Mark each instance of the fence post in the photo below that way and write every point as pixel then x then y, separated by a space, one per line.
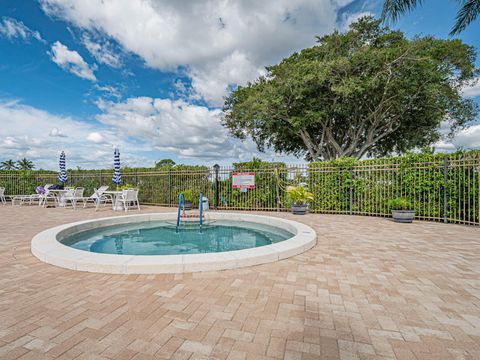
pixel 351 190
pixel 445 182
pixel 277 187
pixel 169 186
pixel 216 167
pixel 100 177
pixel 478 164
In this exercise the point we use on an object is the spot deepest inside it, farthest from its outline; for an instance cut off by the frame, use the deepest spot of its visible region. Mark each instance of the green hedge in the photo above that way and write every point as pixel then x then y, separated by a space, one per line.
pixel 418 177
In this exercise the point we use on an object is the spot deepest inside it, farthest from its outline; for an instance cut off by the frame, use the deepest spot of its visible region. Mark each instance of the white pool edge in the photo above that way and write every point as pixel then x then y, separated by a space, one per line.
pixel 47 248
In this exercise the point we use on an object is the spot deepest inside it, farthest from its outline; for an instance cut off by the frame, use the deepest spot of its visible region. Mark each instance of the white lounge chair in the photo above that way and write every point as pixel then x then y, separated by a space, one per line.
pixel 97 197
pixel 127 199
pixel 30 199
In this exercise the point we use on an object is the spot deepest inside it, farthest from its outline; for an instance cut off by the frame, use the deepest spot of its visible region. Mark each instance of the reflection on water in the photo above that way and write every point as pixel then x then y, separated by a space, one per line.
pixel 119 245
pixel 156 238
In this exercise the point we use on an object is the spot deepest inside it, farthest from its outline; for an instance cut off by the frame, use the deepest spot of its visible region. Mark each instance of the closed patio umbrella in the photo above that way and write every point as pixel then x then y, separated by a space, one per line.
pixel 117 178
pixel 62 175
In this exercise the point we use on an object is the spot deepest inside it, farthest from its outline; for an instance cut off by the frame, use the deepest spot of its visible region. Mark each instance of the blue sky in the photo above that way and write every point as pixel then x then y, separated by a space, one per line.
pixel 149 76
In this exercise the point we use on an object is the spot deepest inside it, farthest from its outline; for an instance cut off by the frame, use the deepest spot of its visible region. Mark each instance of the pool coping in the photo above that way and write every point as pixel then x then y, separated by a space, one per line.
pixel 46 246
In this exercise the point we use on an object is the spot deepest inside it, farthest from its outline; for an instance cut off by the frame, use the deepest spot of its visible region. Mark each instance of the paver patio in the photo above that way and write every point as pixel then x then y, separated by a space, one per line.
pixel 370 289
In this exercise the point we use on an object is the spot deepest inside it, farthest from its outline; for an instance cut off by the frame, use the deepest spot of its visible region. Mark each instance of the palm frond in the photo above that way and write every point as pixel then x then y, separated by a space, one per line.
pixel 468 13
pixel 392 9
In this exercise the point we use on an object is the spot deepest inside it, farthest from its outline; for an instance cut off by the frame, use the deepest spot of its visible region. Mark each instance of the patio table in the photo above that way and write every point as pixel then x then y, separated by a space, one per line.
pixel 59 196
pixel 115 194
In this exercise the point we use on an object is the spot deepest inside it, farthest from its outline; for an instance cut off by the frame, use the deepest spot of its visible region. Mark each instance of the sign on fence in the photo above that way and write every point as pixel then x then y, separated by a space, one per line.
pixel 243 180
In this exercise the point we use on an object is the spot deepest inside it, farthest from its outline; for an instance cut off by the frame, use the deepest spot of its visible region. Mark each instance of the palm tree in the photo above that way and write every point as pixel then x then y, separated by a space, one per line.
pixel 8 165
pixel 468 12
pixel 25 164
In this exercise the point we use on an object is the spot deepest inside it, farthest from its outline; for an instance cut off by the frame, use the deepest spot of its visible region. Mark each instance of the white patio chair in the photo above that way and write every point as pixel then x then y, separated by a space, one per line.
pixel 43 198
pixel 67 193
pixel 105 199
pixel 97 197
pixel 74 196
pixel 136 199
pixel 2 195
pixel 127 199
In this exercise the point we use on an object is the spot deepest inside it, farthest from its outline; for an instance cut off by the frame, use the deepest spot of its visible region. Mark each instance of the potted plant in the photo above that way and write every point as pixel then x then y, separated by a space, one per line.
pixel 300 196
pixel 401 210
pixel 126 187
pixel 188 199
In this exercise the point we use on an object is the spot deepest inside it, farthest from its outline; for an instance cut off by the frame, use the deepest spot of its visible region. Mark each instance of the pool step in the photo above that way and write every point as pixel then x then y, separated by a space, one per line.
pixel 191 224
pixel 191 216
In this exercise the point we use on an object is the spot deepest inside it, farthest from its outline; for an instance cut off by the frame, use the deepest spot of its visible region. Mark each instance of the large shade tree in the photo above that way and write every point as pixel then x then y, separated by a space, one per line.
pixel 164 163
pixel 468 12
pixel 367 91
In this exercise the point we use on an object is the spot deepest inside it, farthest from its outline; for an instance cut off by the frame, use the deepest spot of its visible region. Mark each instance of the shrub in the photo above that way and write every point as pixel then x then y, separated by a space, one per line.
pixel 400 204
pixel 299 195
pixel 188 195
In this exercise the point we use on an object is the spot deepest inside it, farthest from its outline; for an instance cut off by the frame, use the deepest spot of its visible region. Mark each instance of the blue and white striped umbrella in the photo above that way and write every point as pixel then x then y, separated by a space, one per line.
pixel 62 175
pixel 117 178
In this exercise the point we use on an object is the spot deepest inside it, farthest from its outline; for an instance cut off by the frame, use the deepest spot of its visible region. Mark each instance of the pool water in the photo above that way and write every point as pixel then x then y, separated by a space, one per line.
pixel 161 238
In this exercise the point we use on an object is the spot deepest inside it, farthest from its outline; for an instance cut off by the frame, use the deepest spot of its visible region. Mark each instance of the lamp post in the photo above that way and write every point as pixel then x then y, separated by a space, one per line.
pixel 216 167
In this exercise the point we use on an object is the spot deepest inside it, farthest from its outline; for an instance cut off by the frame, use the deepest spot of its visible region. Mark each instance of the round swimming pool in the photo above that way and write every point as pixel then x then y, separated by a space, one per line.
pixel 149 244
pixel 162 238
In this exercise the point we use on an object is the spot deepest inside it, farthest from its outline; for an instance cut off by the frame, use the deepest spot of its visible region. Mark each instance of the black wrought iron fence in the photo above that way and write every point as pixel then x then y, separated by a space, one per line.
pixel 440 187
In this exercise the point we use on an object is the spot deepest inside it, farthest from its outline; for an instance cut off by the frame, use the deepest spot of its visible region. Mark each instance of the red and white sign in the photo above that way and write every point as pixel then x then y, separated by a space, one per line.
pixel 243 180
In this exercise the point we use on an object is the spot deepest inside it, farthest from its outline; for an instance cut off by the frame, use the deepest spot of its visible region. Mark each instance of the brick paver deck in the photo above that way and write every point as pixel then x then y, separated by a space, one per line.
pixel 370 289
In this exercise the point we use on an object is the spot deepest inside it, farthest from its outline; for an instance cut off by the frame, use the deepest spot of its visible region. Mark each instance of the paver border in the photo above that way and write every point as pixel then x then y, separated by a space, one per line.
pixel 46 246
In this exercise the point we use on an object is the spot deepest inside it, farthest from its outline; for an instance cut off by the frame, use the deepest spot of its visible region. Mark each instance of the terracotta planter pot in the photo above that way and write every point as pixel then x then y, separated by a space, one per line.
pixel 299 209
pixel 403 216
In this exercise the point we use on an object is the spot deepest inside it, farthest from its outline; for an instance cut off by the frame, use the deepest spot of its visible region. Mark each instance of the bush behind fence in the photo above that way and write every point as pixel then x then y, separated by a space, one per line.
pixel 441 187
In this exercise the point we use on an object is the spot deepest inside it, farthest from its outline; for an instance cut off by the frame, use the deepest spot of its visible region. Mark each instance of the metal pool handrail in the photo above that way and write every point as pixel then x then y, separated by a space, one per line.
pixel 181 201
pixel 200 206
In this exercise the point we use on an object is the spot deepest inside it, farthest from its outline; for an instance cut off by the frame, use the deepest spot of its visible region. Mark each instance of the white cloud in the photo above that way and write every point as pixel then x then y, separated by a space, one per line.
pixel 72 61
pixel 174 126
pixel 468 138
pixel 473 90
pixel 31 137
pixel 221 43
pixel 11 142
pixel 108 90
pixel 143 128
pixel 211 81
pixel 349 18
pixel 102 51
pixel 12 28
pixel 55 132
pixel 95 137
